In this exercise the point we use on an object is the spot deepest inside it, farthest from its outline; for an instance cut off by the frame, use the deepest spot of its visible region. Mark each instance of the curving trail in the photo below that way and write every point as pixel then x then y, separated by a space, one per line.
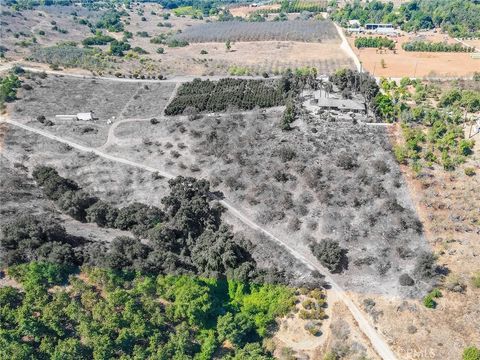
pixel 378 343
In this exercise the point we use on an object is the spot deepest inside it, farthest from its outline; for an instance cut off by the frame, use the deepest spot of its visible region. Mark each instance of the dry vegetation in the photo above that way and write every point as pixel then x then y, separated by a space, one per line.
pixel 130 100
pixel 448 205
pixel 273 177
pixel 296 30
pixel 143 22
pixel 399 63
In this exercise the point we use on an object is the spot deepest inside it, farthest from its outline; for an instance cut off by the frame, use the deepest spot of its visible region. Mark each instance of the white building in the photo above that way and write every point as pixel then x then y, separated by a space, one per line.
pixel 85 116
pixel 354 23
pixel 88 116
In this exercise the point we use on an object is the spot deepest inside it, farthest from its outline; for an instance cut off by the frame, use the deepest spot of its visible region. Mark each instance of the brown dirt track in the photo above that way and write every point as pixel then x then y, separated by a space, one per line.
pixel 417 64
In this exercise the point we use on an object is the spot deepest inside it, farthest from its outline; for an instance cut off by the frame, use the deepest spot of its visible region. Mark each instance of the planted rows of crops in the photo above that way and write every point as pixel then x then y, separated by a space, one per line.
pixel 374 42
pixel 218 96
pixel 298 30
pixel 436 47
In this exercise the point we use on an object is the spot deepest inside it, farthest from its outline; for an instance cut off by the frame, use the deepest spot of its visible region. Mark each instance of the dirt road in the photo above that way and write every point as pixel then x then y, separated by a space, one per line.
pixel 378 343
pixel 345 46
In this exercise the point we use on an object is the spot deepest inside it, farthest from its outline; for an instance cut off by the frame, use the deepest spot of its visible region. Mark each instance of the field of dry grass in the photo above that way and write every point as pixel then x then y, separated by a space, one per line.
pixel 211 58
pixel 401 63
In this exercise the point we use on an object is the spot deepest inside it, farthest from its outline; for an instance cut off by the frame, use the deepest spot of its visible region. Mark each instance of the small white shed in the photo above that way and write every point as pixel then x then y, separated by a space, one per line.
pixel 85 116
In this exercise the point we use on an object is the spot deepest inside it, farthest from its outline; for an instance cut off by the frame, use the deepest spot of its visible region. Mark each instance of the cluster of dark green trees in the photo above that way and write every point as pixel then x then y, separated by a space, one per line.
pixel 374 42
pixel 206 95
pixel 460 18
pixel 134 298
pixel 435 47
pixel 185 236
pixel 111 21
pixel 104 314
pixel 98 39
pixel 8 88
pixel 330 254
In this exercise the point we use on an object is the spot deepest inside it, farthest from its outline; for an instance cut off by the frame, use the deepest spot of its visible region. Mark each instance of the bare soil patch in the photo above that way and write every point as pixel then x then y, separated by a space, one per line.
pixel 416 64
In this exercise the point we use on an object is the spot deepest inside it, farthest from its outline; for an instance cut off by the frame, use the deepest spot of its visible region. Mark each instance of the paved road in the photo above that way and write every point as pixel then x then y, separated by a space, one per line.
pixel 378 343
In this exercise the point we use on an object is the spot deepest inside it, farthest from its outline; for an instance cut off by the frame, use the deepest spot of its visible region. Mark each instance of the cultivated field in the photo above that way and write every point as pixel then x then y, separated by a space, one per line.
pixel 255 58
pixel 295 30
pixel 401 63
pixel 316 45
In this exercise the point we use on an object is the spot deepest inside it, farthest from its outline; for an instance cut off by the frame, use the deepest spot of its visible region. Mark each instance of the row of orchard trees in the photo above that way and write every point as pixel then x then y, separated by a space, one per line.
pixel 436 47
pixel 296 30
pixel 374 42
pixel 219 96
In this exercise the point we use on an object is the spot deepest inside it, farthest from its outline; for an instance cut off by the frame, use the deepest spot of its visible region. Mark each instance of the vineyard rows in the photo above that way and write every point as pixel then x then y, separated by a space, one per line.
pixel 295 30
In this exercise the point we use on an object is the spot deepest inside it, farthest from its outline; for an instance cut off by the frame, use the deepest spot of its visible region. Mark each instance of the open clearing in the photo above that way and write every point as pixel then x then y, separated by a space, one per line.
pixel 66 95
pixel 416 64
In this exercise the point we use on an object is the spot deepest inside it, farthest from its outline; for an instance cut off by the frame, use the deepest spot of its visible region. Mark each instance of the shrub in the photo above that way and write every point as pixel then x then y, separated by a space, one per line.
pixel 476 280
pixel 454 283
pixel 436 293
pixel 406 280
pixel 429 302
pixel 425 267
pixel 346 161
pixel 470 171
pixel 330 254
pixel 98 39
pixel 471 353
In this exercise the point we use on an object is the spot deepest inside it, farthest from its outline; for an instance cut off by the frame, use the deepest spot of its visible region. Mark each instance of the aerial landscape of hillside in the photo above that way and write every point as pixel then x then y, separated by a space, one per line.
pixel 218 179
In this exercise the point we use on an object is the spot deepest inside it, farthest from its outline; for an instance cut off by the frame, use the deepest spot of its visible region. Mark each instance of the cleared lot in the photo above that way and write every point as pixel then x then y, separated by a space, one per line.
pixel 56 95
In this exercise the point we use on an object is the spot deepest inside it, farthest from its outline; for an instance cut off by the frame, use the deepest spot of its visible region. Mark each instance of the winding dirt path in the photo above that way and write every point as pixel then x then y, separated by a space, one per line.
pixel 378 343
